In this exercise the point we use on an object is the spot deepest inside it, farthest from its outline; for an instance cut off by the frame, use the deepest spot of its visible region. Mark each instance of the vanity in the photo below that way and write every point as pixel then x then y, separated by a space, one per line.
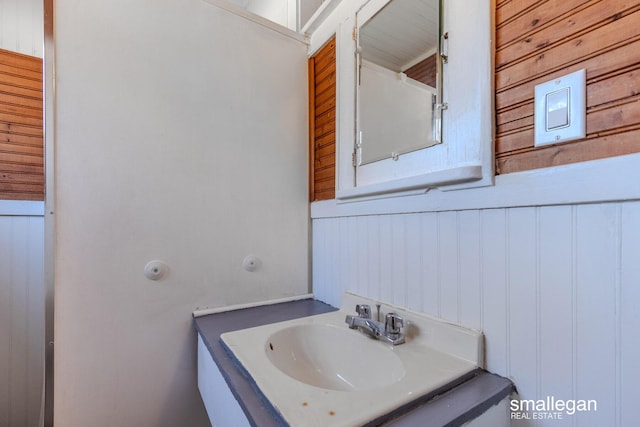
pixel 299 363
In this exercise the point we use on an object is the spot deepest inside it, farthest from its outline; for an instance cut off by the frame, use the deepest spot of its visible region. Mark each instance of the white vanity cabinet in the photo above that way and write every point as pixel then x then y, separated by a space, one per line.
pixel 222 407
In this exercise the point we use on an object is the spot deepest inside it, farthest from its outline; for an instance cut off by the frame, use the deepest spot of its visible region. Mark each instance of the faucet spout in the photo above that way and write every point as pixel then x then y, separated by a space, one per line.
pixel 377 330
pixel 368 326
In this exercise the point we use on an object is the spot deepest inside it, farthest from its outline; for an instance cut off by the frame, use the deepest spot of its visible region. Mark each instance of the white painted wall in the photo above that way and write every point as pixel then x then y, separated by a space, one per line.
pixel 21 26
pixel 180 136
pixel 554 288
pixel 276 11
pixel 306 9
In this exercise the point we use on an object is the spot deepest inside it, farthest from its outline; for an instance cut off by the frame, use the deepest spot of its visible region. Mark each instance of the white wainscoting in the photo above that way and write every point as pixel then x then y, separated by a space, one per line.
pixel 22 26
pixel 21 320
pixel 556 290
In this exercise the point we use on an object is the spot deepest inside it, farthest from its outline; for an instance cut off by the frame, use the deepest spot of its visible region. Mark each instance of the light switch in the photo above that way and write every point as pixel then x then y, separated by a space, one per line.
pixel 560 109
pixel 557 109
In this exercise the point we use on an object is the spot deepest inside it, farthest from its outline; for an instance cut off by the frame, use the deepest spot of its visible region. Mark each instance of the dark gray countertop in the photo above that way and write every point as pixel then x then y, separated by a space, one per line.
pixel 452 408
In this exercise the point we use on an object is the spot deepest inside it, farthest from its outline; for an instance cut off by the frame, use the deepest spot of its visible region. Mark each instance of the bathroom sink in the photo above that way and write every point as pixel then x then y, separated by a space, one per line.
pixel 315 371
pixel 330 357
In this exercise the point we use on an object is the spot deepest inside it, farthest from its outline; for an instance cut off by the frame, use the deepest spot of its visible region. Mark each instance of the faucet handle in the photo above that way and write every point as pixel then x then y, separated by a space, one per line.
pixel 392 324
pixel 364 311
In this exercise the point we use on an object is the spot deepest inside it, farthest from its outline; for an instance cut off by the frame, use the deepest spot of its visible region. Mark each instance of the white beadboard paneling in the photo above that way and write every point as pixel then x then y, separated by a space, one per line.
pixel 556 304
pixel 399 263
pixel 469 271
pixel 373 224
pixel 495 296
pixel 522 282
pixel 628 352
pixel 21 319
pixel 5 319
pixel 413 277
pixel 22 26
pixel 554 288
pixel 19 308
pixel 9 29
pixel 325 234
pixel 36 319
pixel 343 257
pixel 319 253
pixel 447 265
pixel 387 283
pixel 352 249
pixel 362 258
pixel 430 265
pixel 596 251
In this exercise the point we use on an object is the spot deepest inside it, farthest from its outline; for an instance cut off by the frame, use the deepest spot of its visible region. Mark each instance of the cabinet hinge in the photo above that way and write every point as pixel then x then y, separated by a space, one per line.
pixel 354 34
pixel 444 47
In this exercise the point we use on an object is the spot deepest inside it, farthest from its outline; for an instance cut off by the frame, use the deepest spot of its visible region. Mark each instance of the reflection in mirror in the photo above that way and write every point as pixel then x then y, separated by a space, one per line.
pixel 399 83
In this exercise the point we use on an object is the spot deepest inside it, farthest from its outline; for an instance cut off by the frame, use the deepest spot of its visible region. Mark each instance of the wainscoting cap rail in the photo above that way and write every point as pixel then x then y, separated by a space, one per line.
pixel 206 311
pixel 21 208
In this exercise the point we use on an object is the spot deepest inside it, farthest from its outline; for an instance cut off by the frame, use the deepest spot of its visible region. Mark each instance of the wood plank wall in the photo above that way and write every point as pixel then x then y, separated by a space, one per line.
pixel 322 122
pixel 425 71
pixel 539 41
pixel 21 127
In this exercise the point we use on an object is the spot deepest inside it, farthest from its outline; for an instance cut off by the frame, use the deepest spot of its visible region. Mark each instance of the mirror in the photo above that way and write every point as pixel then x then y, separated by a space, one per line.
pixel 399 81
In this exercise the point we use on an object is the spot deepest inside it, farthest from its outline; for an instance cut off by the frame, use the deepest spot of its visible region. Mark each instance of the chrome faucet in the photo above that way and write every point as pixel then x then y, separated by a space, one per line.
pixel 389 331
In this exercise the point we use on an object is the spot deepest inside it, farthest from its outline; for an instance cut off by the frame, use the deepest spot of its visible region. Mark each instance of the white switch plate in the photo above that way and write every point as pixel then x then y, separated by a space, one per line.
pixel 560 101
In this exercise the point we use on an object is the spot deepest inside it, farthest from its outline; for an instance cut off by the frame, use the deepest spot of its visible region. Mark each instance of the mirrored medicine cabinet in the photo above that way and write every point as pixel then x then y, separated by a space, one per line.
pixel 399 86
pixel 420 95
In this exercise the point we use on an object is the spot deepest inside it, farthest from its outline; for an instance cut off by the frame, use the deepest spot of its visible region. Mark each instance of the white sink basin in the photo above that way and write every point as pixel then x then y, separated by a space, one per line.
pixel 330 357
pixel 315 371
